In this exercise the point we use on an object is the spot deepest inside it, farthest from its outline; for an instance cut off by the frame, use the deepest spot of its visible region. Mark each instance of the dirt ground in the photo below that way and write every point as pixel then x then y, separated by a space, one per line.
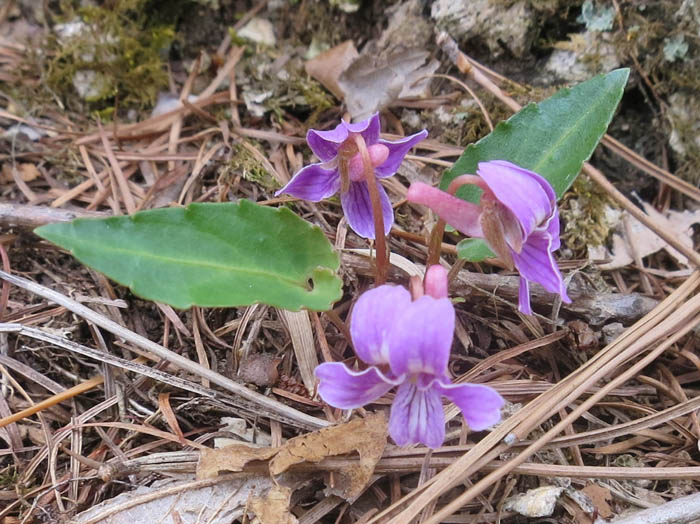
pixel 602 394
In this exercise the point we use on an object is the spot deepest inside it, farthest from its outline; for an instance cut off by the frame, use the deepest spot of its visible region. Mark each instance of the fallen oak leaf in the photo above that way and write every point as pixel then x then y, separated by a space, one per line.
pixel 273 508
pixel 329 65
pixel 230 458
pixel 367 436
pixel 600 496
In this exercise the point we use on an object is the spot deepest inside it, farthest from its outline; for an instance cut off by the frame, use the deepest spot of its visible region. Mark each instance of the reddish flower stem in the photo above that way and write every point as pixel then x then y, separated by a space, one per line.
pixel 382 261
pixel 435 244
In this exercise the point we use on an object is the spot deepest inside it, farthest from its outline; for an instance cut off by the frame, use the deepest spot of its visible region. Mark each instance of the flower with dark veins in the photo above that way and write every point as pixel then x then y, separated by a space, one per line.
pixel 517 216
pixel 407 344
pixel 341 169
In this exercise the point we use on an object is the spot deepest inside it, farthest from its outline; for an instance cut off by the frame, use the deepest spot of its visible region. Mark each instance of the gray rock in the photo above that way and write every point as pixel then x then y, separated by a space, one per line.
pixel 488 20
pixel 683 114
pixel 585 55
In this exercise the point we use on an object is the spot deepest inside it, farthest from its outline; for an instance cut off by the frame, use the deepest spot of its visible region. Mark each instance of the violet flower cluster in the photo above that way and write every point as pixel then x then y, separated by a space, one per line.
pixel 322 180
pixel 517 216
pixel 405 341
pixel 407 344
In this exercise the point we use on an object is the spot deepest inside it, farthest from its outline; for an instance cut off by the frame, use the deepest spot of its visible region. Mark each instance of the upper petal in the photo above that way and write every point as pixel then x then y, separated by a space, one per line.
pixel 346 389
pixel 369 129
pixel 325 144
pixel 528 196
pixel 358 209
pixel 480 405
pixel 373 316
pixel 313 182
pixel 397 151
pixel 535 262
pixel 460 214
pixel 417 416
pixel 421 337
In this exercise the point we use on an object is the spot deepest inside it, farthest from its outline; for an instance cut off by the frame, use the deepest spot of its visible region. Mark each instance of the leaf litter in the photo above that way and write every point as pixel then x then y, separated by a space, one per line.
pixel 63 162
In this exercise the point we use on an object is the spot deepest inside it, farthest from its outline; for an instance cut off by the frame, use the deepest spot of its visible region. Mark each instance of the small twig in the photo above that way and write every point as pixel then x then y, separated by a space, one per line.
pixel 53 400
pixel 679 511
pixel 270 407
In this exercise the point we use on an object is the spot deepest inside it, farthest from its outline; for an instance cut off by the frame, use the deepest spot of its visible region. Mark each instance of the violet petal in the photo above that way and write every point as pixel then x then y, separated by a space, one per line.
pixel 358 209
pixel 369 129
pixel 536 263
pixel 524 296
pixel 519 190
pixel 325 144
pixel 552 227
pixel 313 183
pixel 374 314
pixel 421 338
pixel 480 405
pixel 346 389
pixel 417 416
pixel 460 214
pixel 397 151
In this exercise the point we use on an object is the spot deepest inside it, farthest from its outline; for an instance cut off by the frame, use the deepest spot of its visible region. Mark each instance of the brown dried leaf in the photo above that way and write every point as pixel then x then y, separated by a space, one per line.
pixel 273 508
pixel 27 173
pixel 193 502
pixel 329 65
pixel 635 237
pixel 371 83
pixel 260 369
pixel 230 458
pixel 366 436
pixel 600 497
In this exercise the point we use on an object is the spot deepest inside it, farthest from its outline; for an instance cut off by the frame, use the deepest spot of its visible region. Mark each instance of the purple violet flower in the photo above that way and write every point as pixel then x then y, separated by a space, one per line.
pixel 322 180
pixel 517 216
pixel 407 344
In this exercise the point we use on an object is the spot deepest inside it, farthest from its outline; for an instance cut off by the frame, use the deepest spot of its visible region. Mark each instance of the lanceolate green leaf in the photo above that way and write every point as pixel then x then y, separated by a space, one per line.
pixel 553 138
pixel 212 255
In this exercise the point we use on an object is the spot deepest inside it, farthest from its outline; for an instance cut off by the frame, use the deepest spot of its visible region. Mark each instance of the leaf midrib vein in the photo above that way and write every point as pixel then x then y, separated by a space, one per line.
pixel 568 133
pixel 204 264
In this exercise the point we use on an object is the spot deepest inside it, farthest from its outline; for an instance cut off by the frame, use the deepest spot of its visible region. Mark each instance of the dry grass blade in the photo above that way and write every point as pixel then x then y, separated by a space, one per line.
pixel 677 324
pixel 651 169
pixel 669 317
pixel 52 401
pixel 272 408
pixel 135 367
pixel 299 326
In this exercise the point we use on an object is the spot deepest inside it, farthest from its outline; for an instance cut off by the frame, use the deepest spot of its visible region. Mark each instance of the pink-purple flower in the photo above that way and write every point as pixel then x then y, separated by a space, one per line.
pixel 407 344
pixel 322 180
pixel 517 216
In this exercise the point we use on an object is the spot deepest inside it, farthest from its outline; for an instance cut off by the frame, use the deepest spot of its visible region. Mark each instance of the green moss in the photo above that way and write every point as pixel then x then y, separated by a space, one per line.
pixel 243 162
pixel 583 211
pixel 114 53
pixel 9 478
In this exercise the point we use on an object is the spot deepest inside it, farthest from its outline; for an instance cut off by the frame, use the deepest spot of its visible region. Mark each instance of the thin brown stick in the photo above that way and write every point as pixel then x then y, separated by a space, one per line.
pixel 272 408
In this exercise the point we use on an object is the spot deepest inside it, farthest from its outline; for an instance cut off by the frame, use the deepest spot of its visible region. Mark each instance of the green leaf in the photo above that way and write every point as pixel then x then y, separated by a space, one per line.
pixel 212 255
pixel 474 250
pixel 553 138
